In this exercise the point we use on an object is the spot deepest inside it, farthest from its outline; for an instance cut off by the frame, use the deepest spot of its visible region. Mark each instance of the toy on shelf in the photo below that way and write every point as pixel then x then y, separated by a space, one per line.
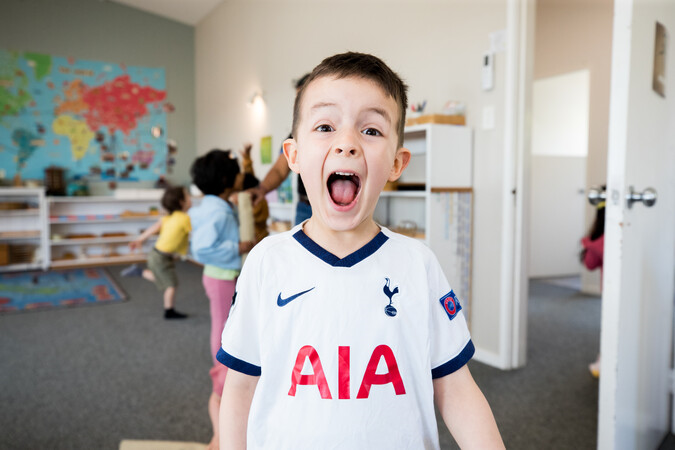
pixel 55 180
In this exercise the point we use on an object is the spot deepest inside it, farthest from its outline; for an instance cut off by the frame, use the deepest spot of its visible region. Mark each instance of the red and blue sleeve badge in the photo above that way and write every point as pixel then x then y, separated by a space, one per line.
pixel 451 304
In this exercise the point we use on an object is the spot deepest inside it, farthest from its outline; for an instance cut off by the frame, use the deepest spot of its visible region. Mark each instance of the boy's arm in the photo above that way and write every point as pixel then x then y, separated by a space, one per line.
pixel 235 404
pixel 466 412
pixel 152 229
pixel 211 245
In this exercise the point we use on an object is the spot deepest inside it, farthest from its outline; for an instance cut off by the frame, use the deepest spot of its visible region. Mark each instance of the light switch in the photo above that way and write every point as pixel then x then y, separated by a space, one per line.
pixel 488 117
pixel 487 73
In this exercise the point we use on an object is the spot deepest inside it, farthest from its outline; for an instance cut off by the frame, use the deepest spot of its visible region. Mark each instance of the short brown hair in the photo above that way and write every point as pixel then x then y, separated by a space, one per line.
pixel 359 65
pixel 214 172
pixel 173 198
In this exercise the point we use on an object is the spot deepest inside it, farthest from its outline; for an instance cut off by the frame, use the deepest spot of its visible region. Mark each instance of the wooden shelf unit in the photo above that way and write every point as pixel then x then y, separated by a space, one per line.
pixel 24 244
pixel 77 226
pixel 48 221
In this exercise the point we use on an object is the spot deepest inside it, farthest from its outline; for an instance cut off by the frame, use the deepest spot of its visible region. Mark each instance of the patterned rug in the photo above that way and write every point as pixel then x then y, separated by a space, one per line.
pixel 31 291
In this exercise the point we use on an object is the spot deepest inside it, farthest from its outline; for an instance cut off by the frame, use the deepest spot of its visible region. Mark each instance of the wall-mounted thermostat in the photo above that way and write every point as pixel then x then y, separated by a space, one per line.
pixel 488 71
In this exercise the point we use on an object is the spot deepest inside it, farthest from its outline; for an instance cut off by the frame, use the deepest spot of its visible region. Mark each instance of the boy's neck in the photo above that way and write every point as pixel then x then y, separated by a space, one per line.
pixel 340 243
pixel 226 194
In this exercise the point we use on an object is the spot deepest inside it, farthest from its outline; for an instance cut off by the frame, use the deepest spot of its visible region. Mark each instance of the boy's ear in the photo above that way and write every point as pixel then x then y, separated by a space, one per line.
pixel 401 161
pixel 291 153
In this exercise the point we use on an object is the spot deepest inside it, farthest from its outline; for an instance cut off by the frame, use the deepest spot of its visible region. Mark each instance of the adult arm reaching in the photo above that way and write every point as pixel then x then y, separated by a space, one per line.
pixel 273 179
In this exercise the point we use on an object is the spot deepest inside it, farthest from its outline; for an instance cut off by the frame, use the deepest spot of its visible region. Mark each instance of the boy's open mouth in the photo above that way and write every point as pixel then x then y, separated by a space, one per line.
pixel 343 187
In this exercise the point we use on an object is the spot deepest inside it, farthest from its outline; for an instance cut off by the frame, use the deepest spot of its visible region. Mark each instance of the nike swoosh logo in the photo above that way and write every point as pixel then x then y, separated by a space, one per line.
pixel 286 301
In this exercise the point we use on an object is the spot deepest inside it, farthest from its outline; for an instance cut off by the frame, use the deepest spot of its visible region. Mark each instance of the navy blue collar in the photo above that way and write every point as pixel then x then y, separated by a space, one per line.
pixel 349 260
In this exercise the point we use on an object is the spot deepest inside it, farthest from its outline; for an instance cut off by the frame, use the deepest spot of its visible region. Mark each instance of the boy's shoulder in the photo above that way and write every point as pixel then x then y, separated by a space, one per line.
pixel 271 251
pixel 410 252
pixel 407 242
pixel 177 215
pixel 274 242
pixel 210 204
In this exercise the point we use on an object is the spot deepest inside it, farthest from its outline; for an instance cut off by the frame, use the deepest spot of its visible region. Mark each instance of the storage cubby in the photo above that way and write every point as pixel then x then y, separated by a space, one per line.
pixel 433 199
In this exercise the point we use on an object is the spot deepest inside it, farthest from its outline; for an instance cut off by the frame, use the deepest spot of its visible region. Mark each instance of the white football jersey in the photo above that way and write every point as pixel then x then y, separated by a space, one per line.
pixel 346 349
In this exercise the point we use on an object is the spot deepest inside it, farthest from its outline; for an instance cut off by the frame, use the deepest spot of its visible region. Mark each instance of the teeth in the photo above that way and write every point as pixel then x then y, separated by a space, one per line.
pixel 345 174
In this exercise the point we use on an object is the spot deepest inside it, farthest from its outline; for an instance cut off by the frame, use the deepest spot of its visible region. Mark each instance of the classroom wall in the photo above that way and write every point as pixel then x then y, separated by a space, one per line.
pixel 570 36
pixel 436 46
pixel 106 31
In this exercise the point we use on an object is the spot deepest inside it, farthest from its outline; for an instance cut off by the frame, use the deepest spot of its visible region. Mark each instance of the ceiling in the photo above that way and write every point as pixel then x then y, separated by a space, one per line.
pixel 189 12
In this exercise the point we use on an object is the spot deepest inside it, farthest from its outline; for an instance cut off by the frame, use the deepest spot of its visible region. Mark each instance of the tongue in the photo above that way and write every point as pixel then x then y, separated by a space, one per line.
pixel 343 192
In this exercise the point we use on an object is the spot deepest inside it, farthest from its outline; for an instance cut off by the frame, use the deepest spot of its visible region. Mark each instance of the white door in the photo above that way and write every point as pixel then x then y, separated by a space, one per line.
pixel 639 261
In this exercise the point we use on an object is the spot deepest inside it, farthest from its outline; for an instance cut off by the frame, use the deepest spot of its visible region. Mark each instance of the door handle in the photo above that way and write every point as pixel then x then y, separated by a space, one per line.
pixel 647 197
pixel 596 195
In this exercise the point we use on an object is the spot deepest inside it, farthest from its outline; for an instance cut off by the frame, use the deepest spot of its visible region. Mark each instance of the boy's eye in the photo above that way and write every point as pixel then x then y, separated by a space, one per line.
pixel 324 128
pixel 371 132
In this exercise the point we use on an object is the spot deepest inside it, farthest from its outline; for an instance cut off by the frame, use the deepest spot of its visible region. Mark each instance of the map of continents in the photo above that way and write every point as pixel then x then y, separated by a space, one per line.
pixel 89 117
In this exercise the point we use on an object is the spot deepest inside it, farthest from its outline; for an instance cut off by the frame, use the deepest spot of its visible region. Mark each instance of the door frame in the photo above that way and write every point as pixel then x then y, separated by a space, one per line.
pixel 520 22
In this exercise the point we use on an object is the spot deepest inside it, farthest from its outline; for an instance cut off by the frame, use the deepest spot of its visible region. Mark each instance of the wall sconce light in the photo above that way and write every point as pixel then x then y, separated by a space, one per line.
pixel 256 98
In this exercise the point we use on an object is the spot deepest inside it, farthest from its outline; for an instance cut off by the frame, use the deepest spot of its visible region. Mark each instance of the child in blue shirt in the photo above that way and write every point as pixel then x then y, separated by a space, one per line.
pixel 215 243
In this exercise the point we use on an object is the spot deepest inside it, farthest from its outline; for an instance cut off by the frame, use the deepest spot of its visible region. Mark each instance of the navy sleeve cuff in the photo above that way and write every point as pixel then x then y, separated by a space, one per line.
pixel 455 363
pixel 237 364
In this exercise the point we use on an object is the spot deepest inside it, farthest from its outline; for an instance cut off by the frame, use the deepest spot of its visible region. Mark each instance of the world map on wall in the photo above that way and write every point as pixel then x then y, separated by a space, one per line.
pixel 100 120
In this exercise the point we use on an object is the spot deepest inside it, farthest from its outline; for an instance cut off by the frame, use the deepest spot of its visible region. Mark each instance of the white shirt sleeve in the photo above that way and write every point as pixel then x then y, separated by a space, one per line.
pixel 451 346
pixel 240 343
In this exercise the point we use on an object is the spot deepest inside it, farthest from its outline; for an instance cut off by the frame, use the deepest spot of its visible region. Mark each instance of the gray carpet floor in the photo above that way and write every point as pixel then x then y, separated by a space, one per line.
pixel 88 377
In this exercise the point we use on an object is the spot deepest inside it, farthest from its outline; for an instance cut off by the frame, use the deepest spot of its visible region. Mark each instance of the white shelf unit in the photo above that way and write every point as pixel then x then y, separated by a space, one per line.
pixel 78 228
pixel 23 231
pixel 282 213
pixel 441 167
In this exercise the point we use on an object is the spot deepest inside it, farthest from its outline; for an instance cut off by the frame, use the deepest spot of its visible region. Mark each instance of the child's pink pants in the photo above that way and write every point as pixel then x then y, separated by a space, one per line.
pixel 220 294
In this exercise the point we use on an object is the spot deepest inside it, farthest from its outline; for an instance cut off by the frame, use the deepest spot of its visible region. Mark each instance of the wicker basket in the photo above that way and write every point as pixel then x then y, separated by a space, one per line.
pixel 21 253
pixel 4 254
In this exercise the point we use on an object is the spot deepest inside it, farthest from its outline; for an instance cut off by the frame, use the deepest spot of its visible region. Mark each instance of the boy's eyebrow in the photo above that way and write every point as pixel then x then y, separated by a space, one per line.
pixel 380 111
pixel 322 105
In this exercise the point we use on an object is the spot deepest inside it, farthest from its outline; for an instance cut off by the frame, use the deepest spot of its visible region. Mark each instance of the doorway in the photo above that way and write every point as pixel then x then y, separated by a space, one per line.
pixel 560 106
pixel 572 55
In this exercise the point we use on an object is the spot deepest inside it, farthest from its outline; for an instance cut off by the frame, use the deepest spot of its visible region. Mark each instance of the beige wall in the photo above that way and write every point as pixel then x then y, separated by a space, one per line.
pixel 436 46
pixel 573 35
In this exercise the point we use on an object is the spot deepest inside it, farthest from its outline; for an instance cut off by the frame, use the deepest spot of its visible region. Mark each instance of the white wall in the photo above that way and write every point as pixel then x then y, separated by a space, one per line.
pixel 435 45
pixel 560 115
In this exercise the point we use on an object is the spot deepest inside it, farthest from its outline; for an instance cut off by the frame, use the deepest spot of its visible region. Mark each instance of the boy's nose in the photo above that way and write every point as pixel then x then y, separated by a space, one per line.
pixel 346 150
pixel 347 145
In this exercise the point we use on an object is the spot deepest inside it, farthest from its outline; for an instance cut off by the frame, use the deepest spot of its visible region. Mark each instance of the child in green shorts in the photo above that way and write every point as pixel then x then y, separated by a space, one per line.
pixel 173 230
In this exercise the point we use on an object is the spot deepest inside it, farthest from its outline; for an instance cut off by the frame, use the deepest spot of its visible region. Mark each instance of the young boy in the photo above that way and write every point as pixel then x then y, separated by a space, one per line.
pixel 215 243
pixel 173 230
pixel 343 333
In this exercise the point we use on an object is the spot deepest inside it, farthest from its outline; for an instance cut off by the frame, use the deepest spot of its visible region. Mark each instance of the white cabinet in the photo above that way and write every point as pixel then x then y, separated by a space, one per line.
pixel 282 216
pixel 23 230
pixel 282 203
pixel 86 231
pixel 434 199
